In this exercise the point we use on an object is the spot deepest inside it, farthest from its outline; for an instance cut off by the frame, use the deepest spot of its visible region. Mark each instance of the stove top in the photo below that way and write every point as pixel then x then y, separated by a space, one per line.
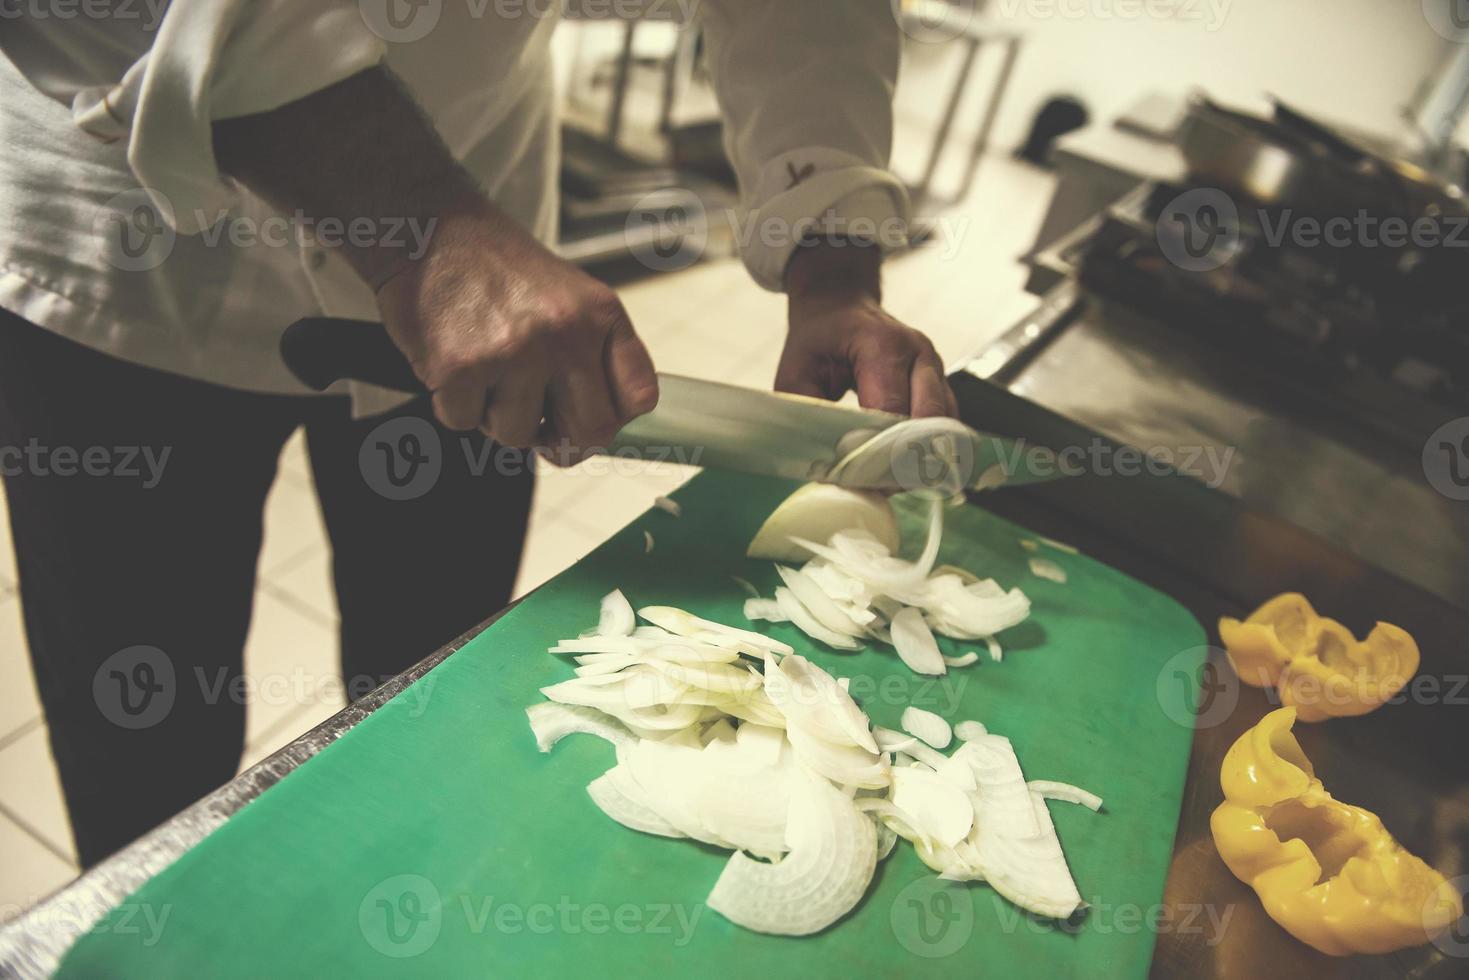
pixel 1381 331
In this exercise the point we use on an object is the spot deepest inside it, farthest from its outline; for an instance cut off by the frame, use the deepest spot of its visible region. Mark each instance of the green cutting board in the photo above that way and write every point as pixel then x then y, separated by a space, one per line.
pixel 434 839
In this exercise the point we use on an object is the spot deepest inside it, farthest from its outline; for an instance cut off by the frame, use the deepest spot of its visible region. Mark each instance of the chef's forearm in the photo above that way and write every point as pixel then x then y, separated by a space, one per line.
pixel 359 149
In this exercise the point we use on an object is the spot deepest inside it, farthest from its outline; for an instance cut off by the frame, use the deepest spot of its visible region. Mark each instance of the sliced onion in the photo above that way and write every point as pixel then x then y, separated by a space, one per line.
pixel 833 853
pixel 996 654
pixel 887 838
pixel 963 660
pixel 765 609
pixel 812 699
pixel 1014 838
pixel 719 678
pixel 809 624
pixel 669 775
pixel 848 765
pixel 617 618
pixel 755 708
pixel 720 730
pixel 668 504
pixel 1047 569
pixel 647 542
pixel 1065 792
pixel 891 741
pixel 892 816
pixel 620 797
pixel 665 647
pixel 940 810
pixel 927 726
pixel 599 665
pixel 819 510
pixel 763 745
pixel 747 585
pixel 915 643
pixel 687 624
pixel 968 731
pixel 743 801
pixel 936 439
pixel 551 722
pixel 818 603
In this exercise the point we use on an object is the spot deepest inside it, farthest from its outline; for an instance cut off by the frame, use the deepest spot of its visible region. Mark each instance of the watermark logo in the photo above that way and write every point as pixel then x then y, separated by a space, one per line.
pixel 401 916
pixel 1195 690
pixel 135 687
pixel 1446 459
pixel 934 21
pixel 1448 18
pixel 134 230
pixel 942 462
pixel 933 918
pixel 1453 940
pixel 1199 229
pixel 401 21
pixel 401 459
pixel 668 230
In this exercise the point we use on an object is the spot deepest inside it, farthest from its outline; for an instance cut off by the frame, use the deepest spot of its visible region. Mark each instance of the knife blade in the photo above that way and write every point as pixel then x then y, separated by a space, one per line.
pixel 712 424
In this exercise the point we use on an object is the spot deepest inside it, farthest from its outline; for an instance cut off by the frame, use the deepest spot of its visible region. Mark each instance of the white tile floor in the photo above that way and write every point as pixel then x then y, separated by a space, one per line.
pixel 708 320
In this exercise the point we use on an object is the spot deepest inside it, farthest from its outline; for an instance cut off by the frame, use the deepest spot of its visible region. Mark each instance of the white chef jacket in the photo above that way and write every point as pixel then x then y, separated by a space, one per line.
pixel 105 127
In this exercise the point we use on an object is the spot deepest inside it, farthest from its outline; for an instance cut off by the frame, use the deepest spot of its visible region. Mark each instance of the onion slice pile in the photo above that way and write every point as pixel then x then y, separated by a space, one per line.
pixel 724 738
pixel 854 589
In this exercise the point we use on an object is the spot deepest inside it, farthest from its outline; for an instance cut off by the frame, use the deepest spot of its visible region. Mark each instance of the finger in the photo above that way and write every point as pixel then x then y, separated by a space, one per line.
pixel 884 379
pixel 931 394
pixel 517 405
pixel 815 377
pixel 630 373
pixel 581 406
pixel 460 404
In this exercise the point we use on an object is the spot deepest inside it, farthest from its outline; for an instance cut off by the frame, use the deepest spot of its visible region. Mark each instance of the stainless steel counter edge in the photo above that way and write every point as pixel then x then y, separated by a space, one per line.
pixel 33 944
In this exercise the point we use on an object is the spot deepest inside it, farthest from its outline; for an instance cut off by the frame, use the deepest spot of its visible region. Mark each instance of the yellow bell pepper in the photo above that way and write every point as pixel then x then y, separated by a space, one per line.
pixel 1326 871
pixel 1316 663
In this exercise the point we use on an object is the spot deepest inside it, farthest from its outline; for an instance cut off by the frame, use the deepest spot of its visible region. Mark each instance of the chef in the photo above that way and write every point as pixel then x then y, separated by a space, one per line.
pixel 180 181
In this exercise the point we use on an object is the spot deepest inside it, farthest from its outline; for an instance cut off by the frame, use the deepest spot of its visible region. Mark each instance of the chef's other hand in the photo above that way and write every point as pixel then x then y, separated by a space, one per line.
pixel 515 341
pixel 840 337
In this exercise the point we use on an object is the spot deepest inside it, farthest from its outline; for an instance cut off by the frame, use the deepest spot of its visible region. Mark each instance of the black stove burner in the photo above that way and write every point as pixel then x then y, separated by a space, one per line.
pixel 1388 324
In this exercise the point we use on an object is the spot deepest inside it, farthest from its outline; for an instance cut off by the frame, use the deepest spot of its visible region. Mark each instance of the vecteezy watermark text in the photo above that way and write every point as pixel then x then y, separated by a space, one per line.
pixel 402 917
pixel 933 918
pixel 148 12
pixel 137 687
pixel 406 21
pixel 135 231
pixel 142 463
pixel 61 916
pixel 403 457
pixel 1208 464
pixel 1202 229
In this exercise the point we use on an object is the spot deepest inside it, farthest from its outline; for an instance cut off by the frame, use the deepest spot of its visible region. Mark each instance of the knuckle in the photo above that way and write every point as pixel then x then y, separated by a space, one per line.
pixel 605 306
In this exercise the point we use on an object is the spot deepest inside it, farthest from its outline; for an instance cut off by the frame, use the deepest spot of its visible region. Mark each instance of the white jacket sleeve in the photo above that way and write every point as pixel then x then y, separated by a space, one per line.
pixel 806 89
pixel 160 86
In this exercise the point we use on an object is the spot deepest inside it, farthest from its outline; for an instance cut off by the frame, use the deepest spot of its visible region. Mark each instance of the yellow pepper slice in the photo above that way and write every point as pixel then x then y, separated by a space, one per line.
pixel 1316 663
pixel 1326 871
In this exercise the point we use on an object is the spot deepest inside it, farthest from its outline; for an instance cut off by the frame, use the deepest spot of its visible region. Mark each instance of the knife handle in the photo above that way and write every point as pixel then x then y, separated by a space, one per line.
pixel 321 350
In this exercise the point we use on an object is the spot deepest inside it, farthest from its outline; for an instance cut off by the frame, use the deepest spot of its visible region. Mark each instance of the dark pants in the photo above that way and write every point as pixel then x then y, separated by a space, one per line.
pixel 137 570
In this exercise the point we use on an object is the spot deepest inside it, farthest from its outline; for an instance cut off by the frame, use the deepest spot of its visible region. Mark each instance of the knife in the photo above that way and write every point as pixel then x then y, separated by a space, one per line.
pixel 711 424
